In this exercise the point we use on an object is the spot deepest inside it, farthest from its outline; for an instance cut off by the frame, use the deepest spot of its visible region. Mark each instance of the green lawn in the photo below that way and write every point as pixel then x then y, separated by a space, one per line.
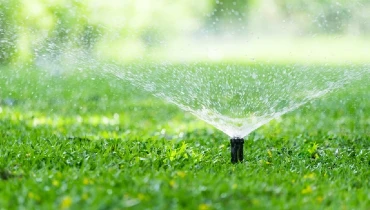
pixel 76 140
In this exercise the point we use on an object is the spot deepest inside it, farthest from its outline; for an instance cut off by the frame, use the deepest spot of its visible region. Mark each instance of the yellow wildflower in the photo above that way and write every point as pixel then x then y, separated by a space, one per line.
pixel 203 206
pixel 319 199
pixel 141 196
pixel 172 183
pixel 33 196
pixel 55 183
pixel 307 190
pixel 86 181
pixel 66 202
pixel 181 174
pixel 309 176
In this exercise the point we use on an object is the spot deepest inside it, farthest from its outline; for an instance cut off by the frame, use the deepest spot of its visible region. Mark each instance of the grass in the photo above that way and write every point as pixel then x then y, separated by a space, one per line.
pixel 76 141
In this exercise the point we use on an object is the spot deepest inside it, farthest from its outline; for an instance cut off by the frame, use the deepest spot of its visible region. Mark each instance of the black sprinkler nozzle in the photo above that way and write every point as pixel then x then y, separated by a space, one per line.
pixel 236 146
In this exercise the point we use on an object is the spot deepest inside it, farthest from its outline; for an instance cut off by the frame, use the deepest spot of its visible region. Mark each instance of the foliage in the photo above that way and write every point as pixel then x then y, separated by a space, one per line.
pixel 227 15
pixel 329 16
pixel 43 26
pixel 30 29
pixel 8 33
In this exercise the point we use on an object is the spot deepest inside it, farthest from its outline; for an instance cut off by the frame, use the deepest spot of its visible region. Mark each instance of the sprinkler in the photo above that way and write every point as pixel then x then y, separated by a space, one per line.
pixel 236 146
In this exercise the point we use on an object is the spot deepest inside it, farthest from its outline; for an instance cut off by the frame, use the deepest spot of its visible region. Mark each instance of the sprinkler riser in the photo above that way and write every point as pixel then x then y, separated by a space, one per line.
pixel 236 148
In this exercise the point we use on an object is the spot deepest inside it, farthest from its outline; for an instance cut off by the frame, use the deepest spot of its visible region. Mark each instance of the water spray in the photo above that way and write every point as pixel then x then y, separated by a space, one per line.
pixel 236 146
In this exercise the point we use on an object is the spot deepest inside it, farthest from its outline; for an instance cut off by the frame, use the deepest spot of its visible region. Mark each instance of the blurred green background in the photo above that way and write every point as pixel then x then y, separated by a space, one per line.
pixel 185 29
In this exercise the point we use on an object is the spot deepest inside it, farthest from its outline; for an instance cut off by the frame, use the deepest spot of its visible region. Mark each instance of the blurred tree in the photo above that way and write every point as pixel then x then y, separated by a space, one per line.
pixel 122 29
pixel 228 14
pixel 322 16
pixel 70 28
pixel 8 30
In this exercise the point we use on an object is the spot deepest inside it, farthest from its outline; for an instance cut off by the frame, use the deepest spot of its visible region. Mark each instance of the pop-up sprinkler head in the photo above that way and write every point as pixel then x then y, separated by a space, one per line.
pixel 236 145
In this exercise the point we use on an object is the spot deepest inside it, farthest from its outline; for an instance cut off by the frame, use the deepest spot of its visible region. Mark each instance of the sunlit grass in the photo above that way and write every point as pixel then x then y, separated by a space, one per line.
pixel 69 142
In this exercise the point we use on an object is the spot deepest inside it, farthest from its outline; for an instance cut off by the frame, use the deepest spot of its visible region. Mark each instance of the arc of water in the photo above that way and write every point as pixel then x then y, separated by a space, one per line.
pixel 237 127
